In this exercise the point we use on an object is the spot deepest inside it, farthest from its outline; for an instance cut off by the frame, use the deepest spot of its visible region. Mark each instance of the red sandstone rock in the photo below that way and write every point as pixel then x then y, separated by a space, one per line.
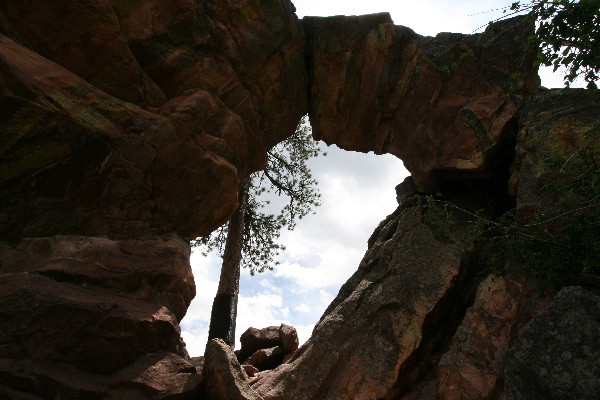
pixel 116 166
pixel 124 122
pixel 97 332
pixel 264 359
pixel 288 338
pixel 471 368
pixel 225 378
pixel 254 339
pixel 250 370
pixel 444 105
pixel 159 375
pixel 402 287
pixel 155 270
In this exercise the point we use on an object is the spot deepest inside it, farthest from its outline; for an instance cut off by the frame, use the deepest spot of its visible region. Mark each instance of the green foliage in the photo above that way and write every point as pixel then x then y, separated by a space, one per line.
pixel 568 35
pixel 287 174
pixel 561 239
pixel 556 244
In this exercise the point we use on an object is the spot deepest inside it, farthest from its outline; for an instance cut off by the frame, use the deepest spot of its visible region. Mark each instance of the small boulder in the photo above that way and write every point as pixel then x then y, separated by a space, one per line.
pixel 254 339
pixel 250 370
pixel 264 359
pixel 288 338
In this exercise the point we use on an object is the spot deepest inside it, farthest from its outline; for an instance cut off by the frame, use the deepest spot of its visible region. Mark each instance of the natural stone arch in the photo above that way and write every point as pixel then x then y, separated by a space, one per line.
pixel 96 178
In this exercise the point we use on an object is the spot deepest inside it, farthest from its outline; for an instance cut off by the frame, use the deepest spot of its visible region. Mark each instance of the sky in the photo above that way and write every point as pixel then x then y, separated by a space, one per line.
pixel 357 193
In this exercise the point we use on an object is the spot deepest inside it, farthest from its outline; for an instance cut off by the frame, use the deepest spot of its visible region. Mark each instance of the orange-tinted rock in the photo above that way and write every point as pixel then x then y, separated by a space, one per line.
pixel 445 105
pixel 371 340
pixel 472 366
pixel 155 270
pixel 225 378
pixel 56 322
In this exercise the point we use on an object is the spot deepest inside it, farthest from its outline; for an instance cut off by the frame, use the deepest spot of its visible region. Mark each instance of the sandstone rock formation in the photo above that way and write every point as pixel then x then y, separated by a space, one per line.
pixel 472 366
pixel 557 125
pixel 405 290
pixel 283 337
pixel 445 105
pixel 225 377
pixel 125 129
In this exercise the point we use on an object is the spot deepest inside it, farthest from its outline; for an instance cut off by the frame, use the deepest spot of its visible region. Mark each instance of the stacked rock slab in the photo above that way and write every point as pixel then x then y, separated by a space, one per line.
pixel 267 348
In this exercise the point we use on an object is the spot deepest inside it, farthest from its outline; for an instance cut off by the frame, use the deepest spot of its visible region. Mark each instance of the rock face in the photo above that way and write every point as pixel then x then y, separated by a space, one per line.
pixel 472 366
pixel 283 337
pixel 445 105
pixel 405 288
pixel 556 356
pixel 126 128
pixel 225 377
pixel 110 163
pixel 557 125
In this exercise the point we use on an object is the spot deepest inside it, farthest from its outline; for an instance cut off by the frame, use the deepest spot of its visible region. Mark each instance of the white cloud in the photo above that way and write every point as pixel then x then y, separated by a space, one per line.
pixel 322 253
pixel 303 308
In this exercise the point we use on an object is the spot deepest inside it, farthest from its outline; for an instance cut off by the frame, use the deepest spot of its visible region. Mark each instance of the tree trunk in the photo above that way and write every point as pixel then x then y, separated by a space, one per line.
pixel 224 308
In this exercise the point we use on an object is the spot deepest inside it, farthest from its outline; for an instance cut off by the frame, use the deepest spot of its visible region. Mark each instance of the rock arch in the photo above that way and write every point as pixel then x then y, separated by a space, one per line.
pixel 127 125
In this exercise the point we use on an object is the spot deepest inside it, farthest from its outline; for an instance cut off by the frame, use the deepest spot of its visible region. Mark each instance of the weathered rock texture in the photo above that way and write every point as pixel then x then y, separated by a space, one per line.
pixel 472 366
pixel 405 291
pixel 208 88
pixel 556 356
pixel 284 338
pixel 125 129
pixel 445 105
pixel 224 375
pixel 558 127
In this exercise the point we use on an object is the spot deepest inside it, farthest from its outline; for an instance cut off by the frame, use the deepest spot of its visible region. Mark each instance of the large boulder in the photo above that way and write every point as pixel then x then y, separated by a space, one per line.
pixel 225 378
pixel 556 356
pixel 156 270
pixel 253 340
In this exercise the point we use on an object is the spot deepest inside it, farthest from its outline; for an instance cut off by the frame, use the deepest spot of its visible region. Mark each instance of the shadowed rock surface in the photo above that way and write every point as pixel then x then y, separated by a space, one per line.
pixel 405 289
pixel 556 356
pixel 471 368
pixel 225 378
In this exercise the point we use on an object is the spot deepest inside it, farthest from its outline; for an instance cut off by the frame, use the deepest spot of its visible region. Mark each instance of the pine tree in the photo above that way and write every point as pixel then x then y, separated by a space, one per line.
pixel 250 238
